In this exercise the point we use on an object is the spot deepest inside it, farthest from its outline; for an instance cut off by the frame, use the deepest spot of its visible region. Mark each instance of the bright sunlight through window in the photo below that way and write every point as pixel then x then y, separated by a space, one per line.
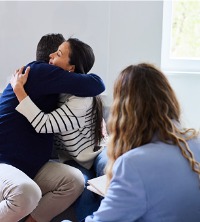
pixel 181 36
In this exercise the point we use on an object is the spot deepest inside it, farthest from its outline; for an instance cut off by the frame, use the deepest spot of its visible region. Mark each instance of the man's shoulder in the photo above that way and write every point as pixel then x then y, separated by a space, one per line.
pixel 38 64
pixel 42 67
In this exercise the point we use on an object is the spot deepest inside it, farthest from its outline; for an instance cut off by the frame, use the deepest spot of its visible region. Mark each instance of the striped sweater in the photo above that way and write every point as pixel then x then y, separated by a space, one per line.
pixel 73 124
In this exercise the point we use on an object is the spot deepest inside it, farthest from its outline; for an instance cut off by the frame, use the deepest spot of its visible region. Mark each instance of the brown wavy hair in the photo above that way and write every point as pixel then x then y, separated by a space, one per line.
pixel 145 104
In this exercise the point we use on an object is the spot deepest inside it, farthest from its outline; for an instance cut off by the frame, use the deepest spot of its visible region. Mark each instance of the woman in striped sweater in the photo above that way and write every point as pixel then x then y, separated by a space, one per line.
pixel 78 122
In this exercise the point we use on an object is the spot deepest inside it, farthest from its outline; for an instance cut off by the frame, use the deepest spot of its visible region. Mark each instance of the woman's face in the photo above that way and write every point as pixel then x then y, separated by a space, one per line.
pixel 61 58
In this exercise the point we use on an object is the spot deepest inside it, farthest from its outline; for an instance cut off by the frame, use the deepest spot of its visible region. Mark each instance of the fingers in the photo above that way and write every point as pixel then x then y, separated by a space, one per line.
pixel 27 71
pixel 25 75
pixel 20 79
pixel 19 71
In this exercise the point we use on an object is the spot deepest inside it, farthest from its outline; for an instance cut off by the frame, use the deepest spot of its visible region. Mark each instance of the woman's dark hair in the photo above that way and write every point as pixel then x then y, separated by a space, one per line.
pixel 82 57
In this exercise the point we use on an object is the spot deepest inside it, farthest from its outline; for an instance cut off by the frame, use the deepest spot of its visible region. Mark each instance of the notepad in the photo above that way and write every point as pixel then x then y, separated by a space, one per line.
pixel 98 185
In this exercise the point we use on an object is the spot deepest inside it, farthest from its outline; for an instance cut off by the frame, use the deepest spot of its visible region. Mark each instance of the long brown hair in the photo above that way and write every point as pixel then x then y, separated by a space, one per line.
pixel 145 104
pixel 97 110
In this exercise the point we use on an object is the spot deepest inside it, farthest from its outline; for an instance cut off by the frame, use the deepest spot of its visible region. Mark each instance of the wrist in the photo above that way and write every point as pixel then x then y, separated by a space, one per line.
pixel 19 92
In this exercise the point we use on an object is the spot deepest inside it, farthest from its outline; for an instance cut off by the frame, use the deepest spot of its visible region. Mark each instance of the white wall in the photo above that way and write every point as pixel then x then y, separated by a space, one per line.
pixel 186 86
pixel 120 32
pixel 135 36
pixel 23 23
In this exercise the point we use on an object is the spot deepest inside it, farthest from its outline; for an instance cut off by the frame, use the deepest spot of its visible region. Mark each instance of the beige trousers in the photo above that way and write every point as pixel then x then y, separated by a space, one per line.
pixel 19 195
pixel 59 184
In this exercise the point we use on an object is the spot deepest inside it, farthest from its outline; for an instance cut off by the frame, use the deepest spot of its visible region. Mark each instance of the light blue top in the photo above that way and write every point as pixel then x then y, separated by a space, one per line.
pixel 152 183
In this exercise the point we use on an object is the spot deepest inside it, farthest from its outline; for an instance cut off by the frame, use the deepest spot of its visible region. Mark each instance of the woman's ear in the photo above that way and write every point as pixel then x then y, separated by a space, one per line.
pixel 72 68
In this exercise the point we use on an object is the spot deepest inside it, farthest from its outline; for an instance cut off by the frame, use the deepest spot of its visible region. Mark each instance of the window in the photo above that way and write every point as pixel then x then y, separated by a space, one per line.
pixel 181 36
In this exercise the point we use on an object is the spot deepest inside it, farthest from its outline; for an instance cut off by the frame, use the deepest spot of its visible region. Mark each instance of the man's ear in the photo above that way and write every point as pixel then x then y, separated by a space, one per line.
pixel 72 68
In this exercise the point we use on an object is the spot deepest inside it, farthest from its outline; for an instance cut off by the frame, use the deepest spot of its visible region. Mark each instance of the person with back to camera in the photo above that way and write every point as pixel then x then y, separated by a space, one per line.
pixel 25 154
pixel 153 168
pixel 77 123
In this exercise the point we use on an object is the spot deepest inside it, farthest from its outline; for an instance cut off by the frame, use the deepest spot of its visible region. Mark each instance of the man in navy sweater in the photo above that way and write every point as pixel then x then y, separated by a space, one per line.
pixel 23 152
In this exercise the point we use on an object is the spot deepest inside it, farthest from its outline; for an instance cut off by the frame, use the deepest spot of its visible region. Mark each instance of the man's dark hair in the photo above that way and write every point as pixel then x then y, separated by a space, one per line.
pixel 48 44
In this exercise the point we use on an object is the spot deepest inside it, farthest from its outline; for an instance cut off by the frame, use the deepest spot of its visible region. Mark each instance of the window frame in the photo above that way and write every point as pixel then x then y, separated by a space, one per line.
pixel 174 65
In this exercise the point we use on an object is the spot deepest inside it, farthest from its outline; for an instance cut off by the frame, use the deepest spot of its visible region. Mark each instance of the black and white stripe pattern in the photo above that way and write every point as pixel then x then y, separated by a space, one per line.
pixel 63 119
pixel 73 123
pixel 75 141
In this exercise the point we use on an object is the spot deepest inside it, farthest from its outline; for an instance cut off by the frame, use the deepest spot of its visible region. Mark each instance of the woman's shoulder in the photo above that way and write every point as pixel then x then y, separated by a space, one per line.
pixel 148 154
pixel 82 102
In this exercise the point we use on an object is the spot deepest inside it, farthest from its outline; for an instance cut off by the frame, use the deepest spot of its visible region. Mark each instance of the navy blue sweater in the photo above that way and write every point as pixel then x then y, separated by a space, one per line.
pixel 20 145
